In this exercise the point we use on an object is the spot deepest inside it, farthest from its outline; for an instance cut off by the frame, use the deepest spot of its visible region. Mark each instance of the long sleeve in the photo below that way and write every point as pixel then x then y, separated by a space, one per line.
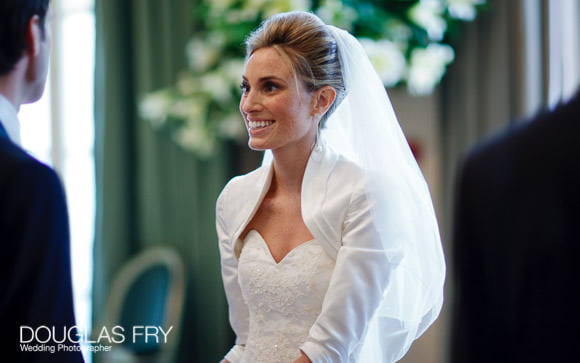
pixel 387 285
pixel 356 288
pixel 35 269
pixel 238 310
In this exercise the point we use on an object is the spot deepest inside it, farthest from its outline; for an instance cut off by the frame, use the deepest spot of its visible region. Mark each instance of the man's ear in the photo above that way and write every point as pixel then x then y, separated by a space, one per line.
pixel 323 99
pixel 34 36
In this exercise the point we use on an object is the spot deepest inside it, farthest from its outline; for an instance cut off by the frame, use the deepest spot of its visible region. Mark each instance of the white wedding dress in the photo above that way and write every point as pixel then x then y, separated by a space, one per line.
pixel 284 298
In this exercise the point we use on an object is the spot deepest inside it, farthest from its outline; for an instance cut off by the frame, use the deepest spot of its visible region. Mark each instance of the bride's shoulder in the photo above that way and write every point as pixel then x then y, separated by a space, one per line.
pixel 242 183
pixel 349 172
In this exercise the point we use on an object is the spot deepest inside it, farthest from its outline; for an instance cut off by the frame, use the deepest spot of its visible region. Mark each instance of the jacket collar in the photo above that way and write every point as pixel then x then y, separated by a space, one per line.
pixel 3 133
pixel 9 120
pixel 248 200
pixel 320 164
pixel 314 192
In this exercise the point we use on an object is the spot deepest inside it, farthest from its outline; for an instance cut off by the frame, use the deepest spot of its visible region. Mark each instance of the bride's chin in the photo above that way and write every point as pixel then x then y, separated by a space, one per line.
pixel 256 145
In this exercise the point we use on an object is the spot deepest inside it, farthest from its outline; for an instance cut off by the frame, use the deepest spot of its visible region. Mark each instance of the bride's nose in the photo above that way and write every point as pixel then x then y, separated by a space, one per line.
pixel 250 102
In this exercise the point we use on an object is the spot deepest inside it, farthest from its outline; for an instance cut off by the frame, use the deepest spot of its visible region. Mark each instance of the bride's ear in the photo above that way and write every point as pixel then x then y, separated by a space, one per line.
pixel 323 99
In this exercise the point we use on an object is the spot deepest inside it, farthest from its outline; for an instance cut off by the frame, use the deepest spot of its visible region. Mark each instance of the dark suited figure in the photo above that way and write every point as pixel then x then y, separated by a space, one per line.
pixel 517 245
pixel 35 276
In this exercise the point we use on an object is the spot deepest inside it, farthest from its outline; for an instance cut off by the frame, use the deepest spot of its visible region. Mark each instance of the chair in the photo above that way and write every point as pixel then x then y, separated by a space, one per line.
pixel 147 293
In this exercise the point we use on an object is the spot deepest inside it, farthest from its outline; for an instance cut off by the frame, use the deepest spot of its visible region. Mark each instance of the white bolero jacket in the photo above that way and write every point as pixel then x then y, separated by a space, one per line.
pixel 337 207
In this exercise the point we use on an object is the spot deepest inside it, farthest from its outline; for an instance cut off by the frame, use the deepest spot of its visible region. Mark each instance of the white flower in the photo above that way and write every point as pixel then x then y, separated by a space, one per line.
pixel 387 59
pixel 280 6
pixel 193 109
pixel 186 83
pixel 155 105
pixel 232 70
pixel 300 4
pixel 204 53
pixel 463 9
pixel 399 33
pixel 232 127
pixel 196 138
pixel 429 15
pixel 336 13
pixel 256 4
pixel 249 12
pixel 240 16
pixel 216 85
pixel 218 6
pixel 427 66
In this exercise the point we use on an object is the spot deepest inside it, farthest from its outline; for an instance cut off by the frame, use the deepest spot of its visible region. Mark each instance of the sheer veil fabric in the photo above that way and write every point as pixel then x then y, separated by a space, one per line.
pixel 364 128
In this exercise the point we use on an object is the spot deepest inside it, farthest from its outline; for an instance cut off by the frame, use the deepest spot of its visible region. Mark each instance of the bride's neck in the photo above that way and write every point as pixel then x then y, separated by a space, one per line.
pixel 289 171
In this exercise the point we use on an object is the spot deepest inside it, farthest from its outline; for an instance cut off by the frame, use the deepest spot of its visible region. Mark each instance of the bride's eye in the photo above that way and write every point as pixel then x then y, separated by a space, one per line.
pixel 270 87
pixel 244 87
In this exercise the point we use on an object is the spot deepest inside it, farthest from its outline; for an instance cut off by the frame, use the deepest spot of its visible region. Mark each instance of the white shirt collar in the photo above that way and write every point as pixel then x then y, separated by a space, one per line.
pixel 9 119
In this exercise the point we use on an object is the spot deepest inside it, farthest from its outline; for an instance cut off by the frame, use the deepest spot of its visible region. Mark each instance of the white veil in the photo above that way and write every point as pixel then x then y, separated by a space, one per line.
pixel 365 129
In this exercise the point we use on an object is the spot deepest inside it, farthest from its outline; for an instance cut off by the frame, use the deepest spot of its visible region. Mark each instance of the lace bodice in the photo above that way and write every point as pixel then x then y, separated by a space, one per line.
pixel 284 298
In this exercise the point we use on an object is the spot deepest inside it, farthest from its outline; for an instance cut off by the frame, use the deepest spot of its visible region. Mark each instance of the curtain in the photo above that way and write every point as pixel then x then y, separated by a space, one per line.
pixel 149 191
pixel 498 78
pixel 483 90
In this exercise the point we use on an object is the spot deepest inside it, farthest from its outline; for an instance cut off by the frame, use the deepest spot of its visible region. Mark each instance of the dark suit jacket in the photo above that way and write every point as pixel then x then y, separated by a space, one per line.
pixel 517 245
pixel 35 276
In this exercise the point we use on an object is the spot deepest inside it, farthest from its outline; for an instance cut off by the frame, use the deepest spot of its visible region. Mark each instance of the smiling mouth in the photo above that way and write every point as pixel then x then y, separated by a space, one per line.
pixel 253 125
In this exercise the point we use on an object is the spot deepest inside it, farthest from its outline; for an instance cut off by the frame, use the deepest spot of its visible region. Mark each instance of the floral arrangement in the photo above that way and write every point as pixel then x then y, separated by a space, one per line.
pixel 406 40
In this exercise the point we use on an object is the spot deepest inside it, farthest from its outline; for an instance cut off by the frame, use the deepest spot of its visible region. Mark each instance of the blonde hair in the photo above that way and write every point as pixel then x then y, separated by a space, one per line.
pixel 305 41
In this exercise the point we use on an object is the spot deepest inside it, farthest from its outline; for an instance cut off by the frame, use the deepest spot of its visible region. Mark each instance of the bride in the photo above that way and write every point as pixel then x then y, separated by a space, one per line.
pixel 330 251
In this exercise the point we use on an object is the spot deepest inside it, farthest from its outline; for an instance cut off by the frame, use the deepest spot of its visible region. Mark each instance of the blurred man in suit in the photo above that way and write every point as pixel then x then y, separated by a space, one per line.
pixel 36 306
pixel 517 244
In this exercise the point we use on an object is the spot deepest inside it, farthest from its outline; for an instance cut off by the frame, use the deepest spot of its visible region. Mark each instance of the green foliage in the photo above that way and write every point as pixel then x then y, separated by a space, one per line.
pixel 407 41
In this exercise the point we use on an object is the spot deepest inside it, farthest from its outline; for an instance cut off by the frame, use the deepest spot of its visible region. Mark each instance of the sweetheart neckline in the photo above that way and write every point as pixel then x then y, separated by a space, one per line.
pixel 263 240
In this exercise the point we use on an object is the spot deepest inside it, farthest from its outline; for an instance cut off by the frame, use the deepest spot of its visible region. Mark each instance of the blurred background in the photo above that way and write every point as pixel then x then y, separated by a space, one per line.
pixel 140 119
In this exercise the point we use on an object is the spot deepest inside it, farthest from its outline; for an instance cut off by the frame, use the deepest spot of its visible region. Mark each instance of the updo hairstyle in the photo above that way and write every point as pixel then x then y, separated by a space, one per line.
pixel 308 46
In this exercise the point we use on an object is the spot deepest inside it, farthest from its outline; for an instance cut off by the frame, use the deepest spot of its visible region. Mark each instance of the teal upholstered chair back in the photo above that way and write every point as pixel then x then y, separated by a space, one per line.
pixel 146 299
pixel 144 306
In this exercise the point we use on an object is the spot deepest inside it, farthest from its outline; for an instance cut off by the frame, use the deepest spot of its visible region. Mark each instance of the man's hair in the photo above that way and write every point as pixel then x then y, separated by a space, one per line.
pixel 14 17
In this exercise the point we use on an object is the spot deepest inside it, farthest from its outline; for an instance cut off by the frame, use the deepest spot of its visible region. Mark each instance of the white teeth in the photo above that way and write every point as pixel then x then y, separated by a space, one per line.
pixel 258 124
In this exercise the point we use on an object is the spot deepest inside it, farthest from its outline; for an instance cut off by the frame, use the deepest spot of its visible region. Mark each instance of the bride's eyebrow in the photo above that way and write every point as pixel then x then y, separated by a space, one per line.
pixel 271 78
pixel 266 78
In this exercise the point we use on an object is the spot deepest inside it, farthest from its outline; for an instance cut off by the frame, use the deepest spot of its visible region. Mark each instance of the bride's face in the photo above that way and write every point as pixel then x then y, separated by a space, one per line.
pixel 277 109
